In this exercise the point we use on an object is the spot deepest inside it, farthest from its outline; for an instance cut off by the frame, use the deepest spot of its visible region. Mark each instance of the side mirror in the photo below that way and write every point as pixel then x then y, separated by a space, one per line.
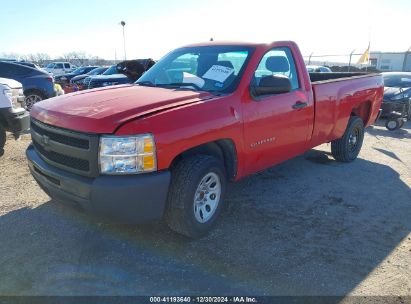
pixel 274 84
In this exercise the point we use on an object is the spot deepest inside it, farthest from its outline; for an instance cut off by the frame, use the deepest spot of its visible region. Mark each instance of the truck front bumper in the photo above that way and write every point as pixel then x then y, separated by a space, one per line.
pixel 130 199
pixel 16 121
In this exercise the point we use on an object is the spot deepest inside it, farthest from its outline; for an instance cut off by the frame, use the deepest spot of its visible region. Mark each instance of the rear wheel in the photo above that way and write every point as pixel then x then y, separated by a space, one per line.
pixel 31 98
pixel 196 195
pixel 347 148
pixel 2 140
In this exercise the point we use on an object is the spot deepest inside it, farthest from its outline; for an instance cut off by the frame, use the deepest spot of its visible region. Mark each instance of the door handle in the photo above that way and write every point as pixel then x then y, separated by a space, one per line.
pixel 299 105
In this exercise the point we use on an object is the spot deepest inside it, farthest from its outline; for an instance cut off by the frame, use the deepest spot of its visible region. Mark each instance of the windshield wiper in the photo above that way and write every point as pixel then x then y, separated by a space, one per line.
pixel 180 85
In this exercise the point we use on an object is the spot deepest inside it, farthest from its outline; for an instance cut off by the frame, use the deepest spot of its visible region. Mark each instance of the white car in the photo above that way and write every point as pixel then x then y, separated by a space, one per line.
pixel 58 68
pixel 13 117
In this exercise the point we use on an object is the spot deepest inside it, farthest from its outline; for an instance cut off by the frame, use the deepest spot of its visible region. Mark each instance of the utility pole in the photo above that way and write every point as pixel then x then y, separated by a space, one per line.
pixel 404 63
pixel 349 63
pixel 122 23
pixel 309 58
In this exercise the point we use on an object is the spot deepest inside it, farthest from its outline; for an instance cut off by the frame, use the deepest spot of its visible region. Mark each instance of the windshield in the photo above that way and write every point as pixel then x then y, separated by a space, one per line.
pixel 207 68
pixel 50 65
pixel 96 71
pixel 397 81
pixel 79 71
pixel 111 70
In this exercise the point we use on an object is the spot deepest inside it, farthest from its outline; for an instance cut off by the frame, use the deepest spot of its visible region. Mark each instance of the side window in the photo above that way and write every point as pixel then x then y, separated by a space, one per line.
pixel 67 65
pixel 18 70
pixel 278 61
pixel 58 66
pixel 4 70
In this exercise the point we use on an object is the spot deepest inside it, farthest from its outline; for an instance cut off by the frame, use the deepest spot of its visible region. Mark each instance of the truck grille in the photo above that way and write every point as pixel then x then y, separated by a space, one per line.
pixel 68 150
pixel 70 141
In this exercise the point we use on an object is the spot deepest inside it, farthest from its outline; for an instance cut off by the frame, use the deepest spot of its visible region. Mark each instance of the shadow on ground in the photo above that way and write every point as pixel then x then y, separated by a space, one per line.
pixel 310 226
pixel 404 132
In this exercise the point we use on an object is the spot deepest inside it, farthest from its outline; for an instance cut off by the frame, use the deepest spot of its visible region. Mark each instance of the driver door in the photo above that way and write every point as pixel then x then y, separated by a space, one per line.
pixel 276 126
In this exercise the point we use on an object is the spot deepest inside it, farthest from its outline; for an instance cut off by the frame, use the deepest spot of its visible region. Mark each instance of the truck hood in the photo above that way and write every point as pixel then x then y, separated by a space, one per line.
pixel 103 110
pixel 11 83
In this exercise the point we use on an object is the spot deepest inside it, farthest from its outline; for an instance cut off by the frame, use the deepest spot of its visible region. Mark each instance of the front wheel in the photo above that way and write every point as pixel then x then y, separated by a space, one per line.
pixel 196 195
pixel 347 148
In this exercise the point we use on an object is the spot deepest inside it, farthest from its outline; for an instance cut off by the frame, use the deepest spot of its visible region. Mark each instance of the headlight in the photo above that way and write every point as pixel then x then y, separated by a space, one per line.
pixel 9 94
pixel 13 95
pixel 127 155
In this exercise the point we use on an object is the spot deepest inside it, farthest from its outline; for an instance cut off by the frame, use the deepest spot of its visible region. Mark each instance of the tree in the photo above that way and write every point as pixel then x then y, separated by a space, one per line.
pixel 39 58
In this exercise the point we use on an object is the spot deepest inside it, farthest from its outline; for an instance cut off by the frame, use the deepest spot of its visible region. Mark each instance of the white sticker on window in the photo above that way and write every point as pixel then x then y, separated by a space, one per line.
pixel 218 73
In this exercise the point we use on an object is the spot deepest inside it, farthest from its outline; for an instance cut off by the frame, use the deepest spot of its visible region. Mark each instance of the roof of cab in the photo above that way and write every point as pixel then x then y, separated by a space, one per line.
pixel 226 43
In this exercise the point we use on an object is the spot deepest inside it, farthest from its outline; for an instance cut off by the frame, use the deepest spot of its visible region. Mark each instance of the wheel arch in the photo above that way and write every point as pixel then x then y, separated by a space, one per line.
pixel 223 149
pixel 363 111
pixel 35 90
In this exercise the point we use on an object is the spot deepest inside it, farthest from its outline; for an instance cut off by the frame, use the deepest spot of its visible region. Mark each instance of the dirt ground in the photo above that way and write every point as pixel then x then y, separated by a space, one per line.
pixel 310 226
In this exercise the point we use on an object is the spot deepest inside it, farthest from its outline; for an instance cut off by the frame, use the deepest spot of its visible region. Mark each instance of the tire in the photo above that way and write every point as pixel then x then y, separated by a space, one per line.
pixel 393 124
pixel 2 140
pixel 32 97
pixel 190 210
pixel 347 148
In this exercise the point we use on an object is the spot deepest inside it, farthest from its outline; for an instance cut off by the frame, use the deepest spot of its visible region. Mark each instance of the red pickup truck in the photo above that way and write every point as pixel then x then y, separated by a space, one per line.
pixel 205 114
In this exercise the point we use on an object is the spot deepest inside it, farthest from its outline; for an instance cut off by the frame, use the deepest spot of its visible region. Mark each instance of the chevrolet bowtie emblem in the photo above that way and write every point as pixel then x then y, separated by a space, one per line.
pixel 45 140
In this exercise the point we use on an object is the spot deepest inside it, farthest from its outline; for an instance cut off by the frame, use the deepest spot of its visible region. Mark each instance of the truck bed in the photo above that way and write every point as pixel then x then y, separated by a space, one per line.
pixel 339 95
pixel 327 77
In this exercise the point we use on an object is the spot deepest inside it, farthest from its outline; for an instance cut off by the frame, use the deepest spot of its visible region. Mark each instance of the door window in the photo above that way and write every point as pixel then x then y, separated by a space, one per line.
pixel 278 61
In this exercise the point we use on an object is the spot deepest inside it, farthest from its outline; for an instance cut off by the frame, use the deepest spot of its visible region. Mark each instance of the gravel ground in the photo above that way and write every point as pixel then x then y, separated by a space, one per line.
pixel 310 226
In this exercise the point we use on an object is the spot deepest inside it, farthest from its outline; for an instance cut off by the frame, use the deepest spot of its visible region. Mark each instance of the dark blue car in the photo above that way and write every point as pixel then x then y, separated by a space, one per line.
pixel 65 78
pixel 37 84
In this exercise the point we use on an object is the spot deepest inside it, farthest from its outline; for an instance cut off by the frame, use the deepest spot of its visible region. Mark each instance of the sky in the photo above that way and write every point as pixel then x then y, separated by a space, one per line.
pixel 154 28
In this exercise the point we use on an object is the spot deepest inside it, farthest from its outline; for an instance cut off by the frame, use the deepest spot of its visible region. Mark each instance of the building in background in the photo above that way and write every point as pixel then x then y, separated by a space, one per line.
pixel 382 61
pixel 391 61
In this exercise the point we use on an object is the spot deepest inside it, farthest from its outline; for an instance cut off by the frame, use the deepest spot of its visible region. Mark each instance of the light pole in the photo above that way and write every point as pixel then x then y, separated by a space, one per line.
pixel 122 23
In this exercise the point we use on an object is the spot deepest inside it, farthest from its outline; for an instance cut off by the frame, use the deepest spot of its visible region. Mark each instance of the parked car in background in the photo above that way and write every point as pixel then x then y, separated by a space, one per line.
pixel 110 77
pixel 77 82
pixel 397 92
pixel 204 115
pixel 13 117
pixel 80 78
pixel 58 68
pixel 125 72
pixel 37 84
pixel 65 78
pixel 318 69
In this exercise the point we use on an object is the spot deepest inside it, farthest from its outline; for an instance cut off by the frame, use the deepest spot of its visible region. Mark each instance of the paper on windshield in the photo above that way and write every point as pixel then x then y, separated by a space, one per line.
pixel 218 73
